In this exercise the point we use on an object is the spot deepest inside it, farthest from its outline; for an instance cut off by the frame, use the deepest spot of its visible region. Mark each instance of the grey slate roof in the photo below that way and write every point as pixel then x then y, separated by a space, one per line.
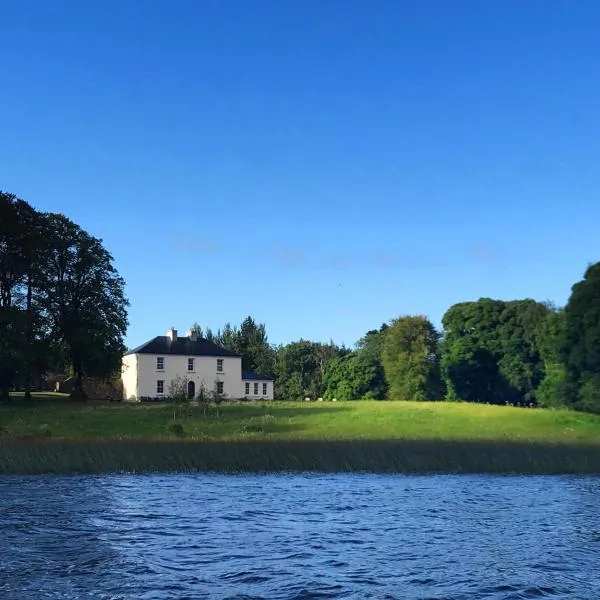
pixel 161 344
pixel 249 375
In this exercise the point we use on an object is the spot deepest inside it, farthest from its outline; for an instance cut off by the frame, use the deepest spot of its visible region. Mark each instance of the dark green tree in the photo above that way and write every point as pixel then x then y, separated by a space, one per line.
pixel 370 351
pixel 553 390
pixel 250 341
pixel 372 341
pixel 301 366
pixel 84 300
pixel 354 376
pixel 410 359
pixel 257 353
pixel 520 362
pixel 228 337
pixel 296 369
pixel 20 241
pixel 489 351
pixel 581 349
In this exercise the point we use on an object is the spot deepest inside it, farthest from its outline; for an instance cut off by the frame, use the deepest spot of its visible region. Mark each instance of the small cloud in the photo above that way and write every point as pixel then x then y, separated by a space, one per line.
pixel 288 256
pixel 483 253
pixel 339 262
pixel 386 260
pixel 186 242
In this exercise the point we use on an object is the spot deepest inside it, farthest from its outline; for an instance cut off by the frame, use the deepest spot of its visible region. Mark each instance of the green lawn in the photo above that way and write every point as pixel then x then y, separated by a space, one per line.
pixel 298 420
pixel 55 435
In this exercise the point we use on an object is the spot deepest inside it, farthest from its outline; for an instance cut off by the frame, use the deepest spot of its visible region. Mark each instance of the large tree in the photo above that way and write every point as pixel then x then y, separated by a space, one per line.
pixel 410 359
pixel 301 367
pixel 554 389
pixel 257 353
pixel 489 351
pixel 84 299
pixel 354 376
pixel 250 340
pixel 358 374
pixel 520 363
pixel 20 242
pixel 581 350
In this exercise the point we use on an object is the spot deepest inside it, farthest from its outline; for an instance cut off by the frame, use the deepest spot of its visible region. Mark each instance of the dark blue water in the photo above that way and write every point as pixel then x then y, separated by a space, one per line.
pixel 299 537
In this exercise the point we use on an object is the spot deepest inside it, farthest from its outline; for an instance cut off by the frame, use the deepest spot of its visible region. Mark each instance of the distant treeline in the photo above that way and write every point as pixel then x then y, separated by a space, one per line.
pixel 62 304
pixel 62 307
pixel 519 352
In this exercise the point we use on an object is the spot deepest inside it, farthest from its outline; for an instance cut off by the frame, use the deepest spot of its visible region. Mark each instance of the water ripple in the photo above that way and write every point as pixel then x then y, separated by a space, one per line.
pixel 299 537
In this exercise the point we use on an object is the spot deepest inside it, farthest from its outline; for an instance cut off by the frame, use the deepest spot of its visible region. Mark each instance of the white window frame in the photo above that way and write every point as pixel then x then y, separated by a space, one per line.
pixel 265 388
pixel 220 365
pixel 191 363
pixel 247 388
pixel 255 388
pixel 160 360
pixel 160 384
pixel 221 386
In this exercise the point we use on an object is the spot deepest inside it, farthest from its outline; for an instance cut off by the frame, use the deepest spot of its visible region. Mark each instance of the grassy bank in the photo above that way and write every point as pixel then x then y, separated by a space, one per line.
pixel 63 437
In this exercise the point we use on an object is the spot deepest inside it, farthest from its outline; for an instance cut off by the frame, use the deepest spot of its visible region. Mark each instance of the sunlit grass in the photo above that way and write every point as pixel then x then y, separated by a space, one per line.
pixel 298 420
pixel 48 436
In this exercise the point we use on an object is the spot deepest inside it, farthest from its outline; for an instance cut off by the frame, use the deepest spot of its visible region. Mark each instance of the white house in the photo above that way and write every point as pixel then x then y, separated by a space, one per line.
pixel 148 370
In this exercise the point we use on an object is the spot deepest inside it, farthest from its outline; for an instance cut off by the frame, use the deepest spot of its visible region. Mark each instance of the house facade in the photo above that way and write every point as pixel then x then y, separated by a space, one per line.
pixel 149 370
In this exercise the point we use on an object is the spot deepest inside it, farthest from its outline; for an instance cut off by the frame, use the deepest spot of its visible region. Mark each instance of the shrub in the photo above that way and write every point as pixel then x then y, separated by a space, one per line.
pixel 553 391
pixel 177 430
pixel 252 428
pixel 178 394
pixel 45 430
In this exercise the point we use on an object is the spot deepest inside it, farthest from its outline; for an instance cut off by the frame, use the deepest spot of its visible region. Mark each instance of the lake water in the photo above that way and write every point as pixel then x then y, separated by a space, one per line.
pixel 299 537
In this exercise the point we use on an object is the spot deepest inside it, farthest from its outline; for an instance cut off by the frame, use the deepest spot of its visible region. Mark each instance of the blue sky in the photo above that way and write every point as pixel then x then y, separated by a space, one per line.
pixel 323 166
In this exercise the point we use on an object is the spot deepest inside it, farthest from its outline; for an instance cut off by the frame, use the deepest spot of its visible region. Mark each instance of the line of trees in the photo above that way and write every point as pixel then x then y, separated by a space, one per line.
pixel 519 352
pixel 62 302
pixel 63 308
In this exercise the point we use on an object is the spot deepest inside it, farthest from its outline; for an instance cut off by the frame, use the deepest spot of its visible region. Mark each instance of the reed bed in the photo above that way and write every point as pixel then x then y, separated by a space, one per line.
pixel 332 456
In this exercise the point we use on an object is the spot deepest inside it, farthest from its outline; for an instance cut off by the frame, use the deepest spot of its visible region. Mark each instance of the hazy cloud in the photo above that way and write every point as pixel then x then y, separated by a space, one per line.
pixel 339 262
pixel 288 256
pixel 296 256
pixel 482 253
pixel 386 260
pixel 191 243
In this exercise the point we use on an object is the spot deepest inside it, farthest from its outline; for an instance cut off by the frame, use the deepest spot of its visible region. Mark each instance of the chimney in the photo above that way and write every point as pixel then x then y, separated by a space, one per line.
pixel 193 335
pixel 172 334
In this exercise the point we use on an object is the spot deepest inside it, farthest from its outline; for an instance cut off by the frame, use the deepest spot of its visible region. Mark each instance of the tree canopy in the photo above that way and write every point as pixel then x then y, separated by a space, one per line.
pixel 410 359
pixel 62 302
pixel 580 350
pixel 490 353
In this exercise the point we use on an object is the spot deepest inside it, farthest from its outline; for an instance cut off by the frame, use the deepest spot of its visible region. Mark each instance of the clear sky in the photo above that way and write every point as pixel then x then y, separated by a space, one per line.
pixel 322 166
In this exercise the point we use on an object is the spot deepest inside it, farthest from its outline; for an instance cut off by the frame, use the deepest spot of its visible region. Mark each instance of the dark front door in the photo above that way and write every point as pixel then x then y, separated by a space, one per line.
pixel 191 389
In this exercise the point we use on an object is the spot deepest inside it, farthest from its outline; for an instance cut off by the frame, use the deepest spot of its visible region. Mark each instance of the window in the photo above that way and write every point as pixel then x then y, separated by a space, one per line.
pixel 256 389
pixel 219 365
pixel 160 386
pixel 190 364
pixel 247 389
pixel 264 389
pixel 219 387
pixel 160 363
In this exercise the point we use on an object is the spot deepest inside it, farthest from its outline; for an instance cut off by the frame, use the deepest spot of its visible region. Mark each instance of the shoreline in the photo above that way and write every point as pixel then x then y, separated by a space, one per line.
pixel 401 456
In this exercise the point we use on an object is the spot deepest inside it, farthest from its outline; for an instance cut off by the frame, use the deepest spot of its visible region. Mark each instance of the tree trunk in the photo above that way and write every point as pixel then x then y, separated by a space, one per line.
pixel 4 394
pixel 78 393
pixel 29 340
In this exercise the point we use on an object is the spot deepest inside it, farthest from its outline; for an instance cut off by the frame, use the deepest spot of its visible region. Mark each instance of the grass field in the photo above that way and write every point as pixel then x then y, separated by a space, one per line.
pixel 53 435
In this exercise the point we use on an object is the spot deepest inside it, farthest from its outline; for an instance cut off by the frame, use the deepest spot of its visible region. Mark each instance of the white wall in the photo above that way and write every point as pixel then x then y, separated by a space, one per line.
pixel 139 375
pixel 205 372
pixel 260 396
pixel 129 377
